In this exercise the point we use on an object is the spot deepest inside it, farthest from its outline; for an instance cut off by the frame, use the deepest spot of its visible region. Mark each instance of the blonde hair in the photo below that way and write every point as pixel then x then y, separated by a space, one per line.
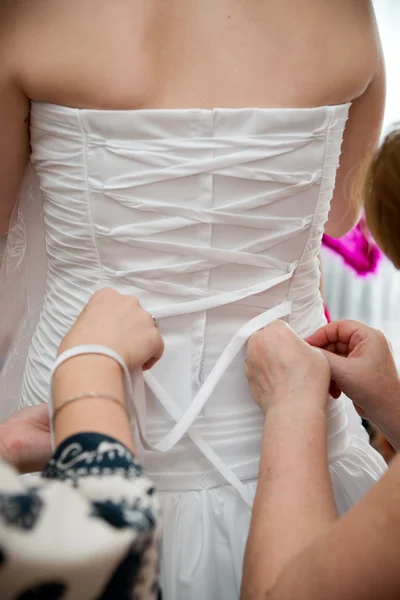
pixel 382 197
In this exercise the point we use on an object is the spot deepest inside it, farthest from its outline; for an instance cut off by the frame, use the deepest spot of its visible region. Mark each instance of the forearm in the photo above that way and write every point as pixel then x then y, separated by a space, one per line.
pixel 294 502
pixel 362 548
pixel 387 417
pixel 86 374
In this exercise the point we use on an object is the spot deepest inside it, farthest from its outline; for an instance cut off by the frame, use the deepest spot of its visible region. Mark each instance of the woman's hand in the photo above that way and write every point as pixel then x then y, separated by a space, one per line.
pixel 25 439
pixel 120 323
pixel 361 362
pixel 280 367
pixel 363 366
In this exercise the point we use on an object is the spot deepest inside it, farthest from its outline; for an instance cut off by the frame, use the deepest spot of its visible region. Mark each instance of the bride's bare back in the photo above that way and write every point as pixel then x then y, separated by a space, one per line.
pixel 135 54
pixel 192 53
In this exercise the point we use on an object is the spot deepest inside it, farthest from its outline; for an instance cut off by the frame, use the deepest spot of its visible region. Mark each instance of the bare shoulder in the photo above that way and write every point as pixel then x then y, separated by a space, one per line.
pixel 44 43
pixel 24 19
pixel 28 38
pixel 18 12
pixel 366 31
pixel 13 13
pixel 15 16
pixel 9 11
pixel 356 48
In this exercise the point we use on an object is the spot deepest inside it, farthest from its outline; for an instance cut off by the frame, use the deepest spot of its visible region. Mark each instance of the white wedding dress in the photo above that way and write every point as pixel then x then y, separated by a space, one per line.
pixel 213 218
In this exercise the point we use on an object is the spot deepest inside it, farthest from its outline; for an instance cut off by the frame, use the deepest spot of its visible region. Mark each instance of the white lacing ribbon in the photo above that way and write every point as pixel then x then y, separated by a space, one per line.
pixel 134 389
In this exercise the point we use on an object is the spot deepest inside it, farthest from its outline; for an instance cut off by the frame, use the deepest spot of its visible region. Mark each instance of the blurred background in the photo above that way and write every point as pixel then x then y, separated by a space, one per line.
pixel 375 298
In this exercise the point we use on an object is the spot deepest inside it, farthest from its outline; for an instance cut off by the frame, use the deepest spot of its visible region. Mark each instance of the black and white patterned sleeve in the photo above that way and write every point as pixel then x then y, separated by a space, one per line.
pixel 88 528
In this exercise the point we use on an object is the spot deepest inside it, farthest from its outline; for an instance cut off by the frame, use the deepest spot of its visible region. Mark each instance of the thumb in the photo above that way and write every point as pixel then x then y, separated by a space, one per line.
pixel 339 366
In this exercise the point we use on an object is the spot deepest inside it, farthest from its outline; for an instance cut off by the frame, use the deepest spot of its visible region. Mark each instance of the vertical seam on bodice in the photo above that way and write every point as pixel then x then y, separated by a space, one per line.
pixel 311 228
pixel 88 200
pixel 207 276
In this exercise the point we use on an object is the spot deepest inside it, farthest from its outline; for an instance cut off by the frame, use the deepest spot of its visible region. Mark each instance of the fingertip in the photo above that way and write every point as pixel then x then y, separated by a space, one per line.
pixel 319 338
pixel 149 364
pixel 331 348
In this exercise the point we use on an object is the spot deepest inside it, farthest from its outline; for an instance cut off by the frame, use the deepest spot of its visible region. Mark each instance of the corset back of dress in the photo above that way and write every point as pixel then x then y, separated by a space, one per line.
pixel 214 219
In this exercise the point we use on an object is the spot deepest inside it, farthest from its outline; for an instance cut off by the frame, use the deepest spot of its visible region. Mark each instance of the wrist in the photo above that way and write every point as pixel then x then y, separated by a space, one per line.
pixel 87 373
pixel 386 415
pixel 80 377
pixel 303 412
pixel 312 400
pixel 295 421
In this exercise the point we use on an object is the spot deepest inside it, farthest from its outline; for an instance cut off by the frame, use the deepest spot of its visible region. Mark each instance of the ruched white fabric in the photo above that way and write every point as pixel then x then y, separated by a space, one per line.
pixel 213 218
